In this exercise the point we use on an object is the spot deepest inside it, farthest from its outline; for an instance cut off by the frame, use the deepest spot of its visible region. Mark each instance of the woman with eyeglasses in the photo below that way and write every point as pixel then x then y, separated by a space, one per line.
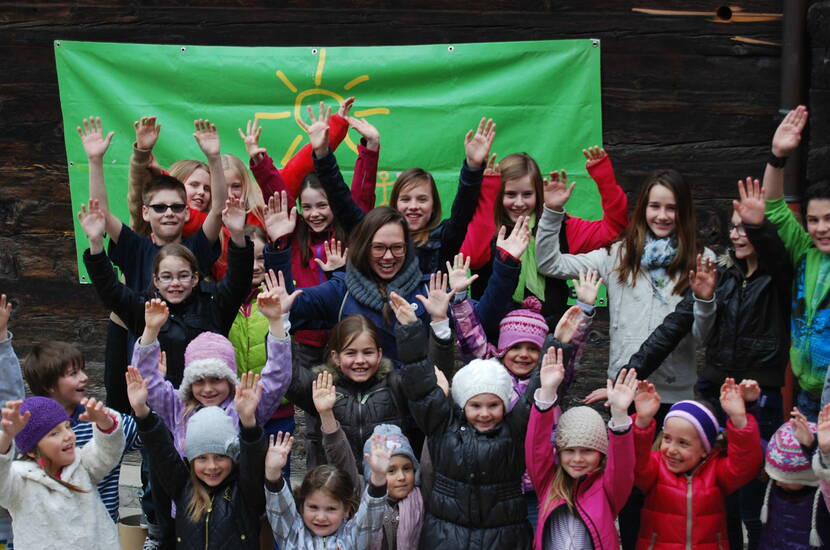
pixel 195 305
pixel 382 260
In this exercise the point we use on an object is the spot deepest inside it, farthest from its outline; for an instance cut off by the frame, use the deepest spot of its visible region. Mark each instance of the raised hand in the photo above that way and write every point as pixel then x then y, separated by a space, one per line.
pixel 163 363
pixel 146 132
pixel 492 168
pixel 379 460
pixel 336 255
pixel 92 137
pixel 801 428
pixel 787 136
pixel 823 429
pixel 95 411
pixel 207 137
pixel 275 287
pixel 519 238
pixel 365 129
pixel 318 130
pixel 247 397
pixel 750 390
pixel 93 222
pixel 5 313
pixel 279 448
pixel 597 396
pixel 442 381
pixel 568 324
pixel 477 144
pixel 251 138
pixel 587 286
pixel 402 310
pixel 439 297
pixel 458 279
pixel 551 374
pixel 278 219
pixel 703 278
pixel 751 206
pixel 233 216
pixel 137 392
pixel 621 393
pixel 732 403
pixel 323 392
pixel 13 422
pixel 345 107
pixel 557 191
pixel 594 155
pixel 155 314
pixel 646 403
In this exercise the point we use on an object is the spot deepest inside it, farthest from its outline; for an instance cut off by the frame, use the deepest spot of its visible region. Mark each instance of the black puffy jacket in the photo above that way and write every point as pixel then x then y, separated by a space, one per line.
pixel 476 499
pixel 211 307
pixel 751 334
pixel 237 504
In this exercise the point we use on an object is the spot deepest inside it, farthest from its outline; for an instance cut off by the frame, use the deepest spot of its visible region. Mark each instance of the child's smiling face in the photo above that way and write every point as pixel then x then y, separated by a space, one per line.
pixel 212 469
pixel 322 513
pixel 70 388
pixel 167 226
pixel 681 447
pixel 56 448
pixel 484 411
pixel 521 358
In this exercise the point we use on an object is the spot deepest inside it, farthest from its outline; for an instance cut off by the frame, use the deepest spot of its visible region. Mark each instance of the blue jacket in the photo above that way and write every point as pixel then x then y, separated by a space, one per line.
pixel 323 306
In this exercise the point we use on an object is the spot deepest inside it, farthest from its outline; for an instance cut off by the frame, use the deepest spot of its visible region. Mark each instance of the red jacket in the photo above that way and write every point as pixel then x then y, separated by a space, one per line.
pixel 686 511
pixel 583 235
pixel 599 496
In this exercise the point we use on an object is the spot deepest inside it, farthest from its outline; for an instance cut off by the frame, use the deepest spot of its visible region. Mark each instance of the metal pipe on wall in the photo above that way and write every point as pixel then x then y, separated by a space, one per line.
pixel 793 84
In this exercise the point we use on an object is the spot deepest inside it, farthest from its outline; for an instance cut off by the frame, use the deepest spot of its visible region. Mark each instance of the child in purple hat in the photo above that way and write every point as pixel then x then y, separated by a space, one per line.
pixel 51 491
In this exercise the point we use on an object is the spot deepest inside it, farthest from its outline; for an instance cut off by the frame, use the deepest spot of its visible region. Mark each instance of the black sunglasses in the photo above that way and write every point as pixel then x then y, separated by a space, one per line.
pixel 177 208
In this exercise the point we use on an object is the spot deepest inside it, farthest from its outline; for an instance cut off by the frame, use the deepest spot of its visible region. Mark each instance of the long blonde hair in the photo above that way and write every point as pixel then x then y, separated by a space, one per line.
pixel 251 194
pixel 200 500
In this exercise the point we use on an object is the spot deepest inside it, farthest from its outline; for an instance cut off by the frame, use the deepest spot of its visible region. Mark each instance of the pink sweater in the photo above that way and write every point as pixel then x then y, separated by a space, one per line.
pixel 599 496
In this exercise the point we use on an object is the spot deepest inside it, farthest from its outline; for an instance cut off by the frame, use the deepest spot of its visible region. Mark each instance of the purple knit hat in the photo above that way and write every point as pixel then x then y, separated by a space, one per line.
pixel 523 325
pixel 698 416
pixel 46 414
pixel 785 461
pixel 208 355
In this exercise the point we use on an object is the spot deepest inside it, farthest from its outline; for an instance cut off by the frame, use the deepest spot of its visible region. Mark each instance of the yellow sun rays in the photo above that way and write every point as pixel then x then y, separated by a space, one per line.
pixel 317 90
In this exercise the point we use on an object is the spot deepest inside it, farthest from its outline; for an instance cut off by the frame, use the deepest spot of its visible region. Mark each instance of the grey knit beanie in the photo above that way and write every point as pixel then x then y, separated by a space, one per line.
pixel 211 430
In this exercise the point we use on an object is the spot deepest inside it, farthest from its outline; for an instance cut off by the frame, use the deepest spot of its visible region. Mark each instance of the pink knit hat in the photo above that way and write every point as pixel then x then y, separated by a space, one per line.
pixel 209 355
pixel 523 325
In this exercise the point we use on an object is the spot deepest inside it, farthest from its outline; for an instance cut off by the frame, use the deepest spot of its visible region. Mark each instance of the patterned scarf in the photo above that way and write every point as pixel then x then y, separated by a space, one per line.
pixel 529 276
pixel 368 293
pixel 657 255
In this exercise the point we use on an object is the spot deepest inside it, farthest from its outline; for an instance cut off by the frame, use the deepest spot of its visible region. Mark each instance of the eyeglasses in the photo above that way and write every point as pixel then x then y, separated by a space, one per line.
pixel 739 229
pixel 379 250
pixel 167 278
pixel 177 208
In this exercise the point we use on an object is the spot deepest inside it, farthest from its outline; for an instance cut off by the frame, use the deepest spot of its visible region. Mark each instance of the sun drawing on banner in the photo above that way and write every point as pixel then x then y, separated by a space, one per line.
pixel 308 96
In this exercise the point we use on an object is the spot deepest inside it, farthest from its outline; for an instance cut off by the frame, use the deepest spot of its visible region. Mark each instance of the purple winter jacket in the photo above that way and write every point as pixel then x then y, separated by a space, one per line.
pixel 164 399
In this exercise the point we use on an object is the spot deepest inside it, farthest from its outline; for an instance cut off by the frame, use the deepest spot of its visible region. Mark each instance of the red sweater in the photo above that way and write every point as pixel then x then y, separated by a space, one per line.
pixel 583 235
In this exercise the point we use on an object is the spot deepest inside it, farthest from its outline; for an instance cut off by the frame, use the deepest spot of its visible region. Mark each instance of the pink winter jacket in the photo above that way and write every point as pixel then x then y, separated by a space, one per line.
pixel 599 496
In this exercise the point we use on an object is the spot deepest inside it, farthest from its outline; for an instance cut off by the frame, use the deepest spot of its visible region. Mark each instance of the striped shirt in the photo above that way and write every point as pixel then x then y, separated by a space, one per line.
pixel 108 487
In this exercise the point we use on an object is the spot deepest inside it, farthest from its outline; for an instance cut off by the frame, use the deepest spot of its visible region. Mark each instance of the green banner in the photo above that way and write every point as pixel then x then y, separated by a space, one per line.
pixel 544 96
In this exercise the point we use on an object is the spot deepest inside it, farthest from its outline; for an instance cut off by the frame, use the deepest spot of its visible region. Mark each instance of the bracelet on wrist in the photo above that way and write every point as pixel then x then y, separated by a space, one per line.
pixel 776 161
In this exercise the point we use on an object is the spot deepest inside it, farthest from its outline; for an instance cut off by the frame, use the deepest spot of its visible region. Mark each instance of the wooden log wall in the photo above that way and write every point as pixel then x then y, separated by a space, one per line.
pixel 690 84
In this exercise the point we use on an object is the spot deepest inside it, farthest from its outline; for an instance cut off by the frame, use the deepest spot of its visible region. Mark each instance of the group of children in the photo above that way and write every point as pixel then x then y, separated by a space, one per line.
pixel 243 297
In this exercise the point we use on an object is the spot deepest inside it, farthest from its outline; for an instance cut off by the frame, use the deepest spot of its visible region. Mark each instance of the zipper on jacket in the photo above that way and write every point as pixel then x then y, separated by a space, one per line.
pixel 207 526
pixel 720 546
pixel 652 541
pixel 360 416
pixel 688 512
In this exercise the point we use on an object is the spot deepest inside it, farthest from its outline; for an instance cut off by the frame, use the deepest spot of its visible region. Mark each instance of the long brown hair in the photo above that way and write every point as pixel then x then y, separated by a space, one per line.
pixel 513 167
pixel 562 485
pixel 407 180
pixel 634 238
pixel 303 230
pixel 333 481
pixel 345 332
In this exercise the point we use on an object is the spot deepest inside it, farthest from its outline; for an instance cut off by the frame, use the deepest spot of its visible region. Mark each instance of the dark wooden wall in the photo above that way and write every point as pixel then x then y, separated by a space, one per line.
pixel 678 91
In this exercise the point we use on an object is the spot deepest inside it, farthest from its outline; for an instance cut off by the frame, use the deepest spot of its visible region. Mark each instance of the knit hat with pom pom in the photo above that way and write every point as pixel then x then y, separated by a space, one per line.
pixel 523 325
pixel 209 355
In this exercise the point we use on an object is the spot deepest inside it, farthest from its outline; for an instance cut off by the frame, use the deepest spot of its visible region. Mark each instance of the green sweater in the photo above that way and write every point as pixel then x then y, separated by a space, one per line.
pixel 810 322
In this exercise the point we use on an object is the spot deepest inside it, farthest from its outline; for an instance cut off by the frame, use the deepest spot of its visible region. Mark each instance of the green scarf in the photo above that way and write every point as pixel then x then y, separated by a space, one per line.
pixel 529 276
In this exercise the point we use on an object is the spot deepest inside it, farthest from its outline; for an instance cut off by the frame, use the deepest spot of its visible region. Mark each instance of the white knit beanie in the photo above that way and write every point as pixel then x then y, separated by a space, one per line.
pixel 581 427
pixel 211 430
pixel 482 376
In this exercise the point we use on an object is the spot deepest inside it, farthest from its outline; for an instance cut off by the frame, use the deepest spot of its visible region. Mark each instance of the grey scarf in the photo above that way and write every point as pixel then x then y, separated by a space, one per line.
pixel 368 293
